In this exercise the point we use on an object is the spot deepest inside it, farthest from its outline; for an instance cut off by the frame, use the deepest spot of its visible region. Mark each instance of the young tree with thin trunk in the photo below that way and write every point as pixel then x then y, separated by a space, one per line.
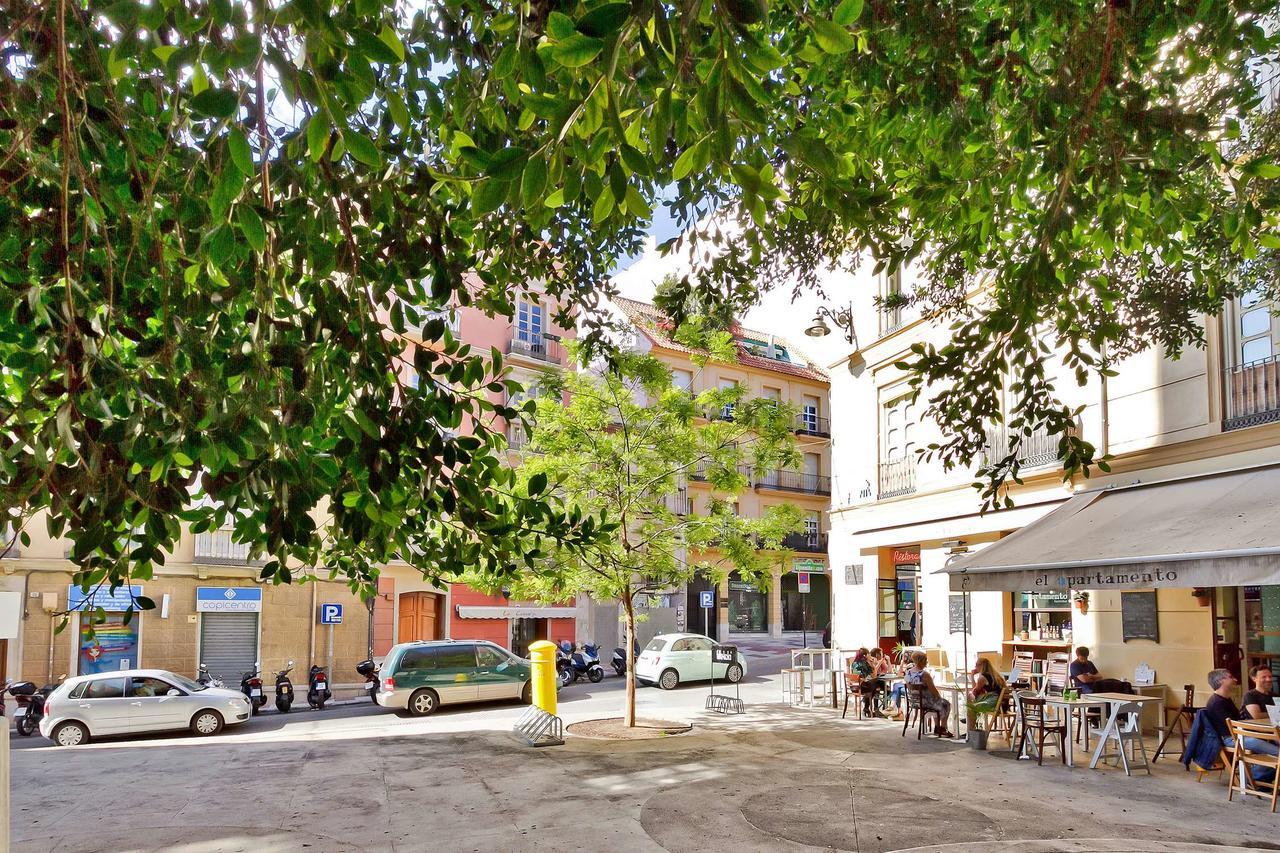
pixel 622 446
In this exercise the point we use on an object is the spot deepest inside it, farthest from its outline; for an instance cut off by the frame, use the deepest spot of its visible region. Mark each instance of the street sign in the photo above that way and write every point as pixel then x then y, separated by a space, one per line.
pixel 724 654
pixel 228 599
pixel 707 598
pixel 802 581
pixel 330 614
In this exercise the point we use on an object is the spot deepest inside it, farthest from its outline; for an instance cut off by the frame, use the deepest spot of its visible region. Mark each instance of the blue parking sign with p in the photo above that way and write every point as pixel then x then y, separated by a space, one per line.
pixel 707 598
pixel 330 614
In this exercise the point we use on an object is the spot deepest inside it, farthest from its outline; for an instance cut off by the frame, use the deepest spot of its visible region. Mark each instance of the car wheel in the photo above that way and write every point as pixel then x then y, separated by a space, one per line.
pixel 526 693
pixel 70 734
pixel 733 674
pixel 596 675
pixel 423 702
pixel 206 723
pixel 669 680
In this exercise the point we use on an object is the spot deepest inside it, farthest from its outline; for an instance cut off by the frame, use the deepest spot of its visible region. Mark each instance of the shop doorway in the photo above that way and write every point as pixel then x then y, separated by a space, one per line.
pixel 703 621
pixel 527 631
pixel 229 644
pixel 1228 653
pixel 748 607
pixel 420 617
pixel 806 611
pixel 907 583
pixel 1262 626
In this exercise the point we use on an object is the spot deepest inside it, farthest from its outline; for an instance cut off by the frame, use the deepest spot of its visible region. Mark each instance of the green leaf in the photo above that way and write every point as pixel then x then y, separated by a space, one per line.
pixel 507 164
pixel 488 196
pixel 399 112
pixel 560 26
pixel 390 39
pixel 317 136
pixel 534 181
pixel 183 459
pixel 1268 170
pixel 684 163
pixel 362 148
pixel 215 103
pixel 251 225
pixel 832 38
pixel 537 484
pixel 164 52
pixel 577 50
pixel 555 199
pixel 847 12
pixel 241 154
pixel 604 20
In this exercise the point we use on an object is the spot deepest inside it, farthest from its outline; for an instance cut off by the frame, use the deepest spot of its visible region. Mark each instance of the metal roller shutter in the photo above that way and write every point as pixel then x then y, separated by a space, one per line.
pixel 229 645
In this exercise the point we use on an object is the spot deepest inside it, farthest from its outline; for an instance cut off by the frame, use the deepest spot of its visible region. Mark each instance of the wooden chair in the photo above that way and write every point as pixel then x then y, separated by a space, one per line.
pixel 1182 719
pixel 916 712
pixel 852 687
pixel 1002 717
pixel 1125 737
pixel 1035 723
pixel 1055 678
pixel 1025 663
pixel 1243 761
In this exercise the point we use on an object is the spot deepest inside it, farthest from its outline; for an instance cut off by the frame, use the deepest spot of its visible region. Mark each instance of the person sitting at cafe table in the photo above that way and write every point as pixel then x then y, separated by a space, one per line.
pixel 880 667
pixel 1255 702
pixel 987 686
pixel 1085 677
pixel 930 698
pixel 862 666
pixel 1221 707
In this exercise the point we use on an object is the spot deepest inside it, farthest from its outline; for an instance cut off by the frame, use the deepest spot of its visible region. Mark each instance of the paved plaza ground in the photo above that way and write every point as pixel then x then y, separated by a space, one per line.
pixel 775 779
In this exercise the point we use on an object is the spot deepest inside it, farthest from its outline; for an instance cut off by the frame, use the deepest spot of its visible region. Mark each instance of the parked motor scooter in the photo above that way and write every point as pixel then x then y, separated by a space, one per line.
pixel 251 686
pixel 318 688
pixel 369 670
pixel 564 663
pixel 284 689
pixel 619 659
pixel 203 677
pixel 30 704
pixel 586 662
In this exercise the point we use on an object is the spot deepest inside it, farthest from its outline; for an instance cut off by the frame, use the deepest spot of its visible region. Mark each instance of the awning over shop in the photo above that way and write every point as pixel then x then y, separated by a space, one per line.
pixel 516 612
pixel 1211 530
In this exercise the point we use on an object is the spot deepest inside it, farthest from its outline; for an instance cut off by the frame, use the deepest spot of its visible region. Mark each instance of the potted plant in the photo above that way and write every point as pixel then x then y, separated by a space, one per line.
pixel 898 651
pixel 1081 599
pixel 976 735
pixel 1202 595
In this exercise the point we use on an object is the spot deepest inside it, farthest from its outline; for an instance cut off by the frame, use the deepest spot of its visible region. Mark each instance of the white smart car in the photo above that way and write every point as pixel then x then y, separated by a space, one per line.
pixel 671 659
pixel 134 701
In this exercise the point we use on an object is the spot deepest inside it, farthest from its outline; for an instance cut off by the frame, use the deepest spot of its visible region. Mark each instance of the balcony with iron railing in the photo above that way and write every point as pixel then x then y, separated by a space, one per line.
pixel 544 348
pixel 897 477
pixel 810 424
pixel 1037 449
pixel 517 436
pixel 1251 394
pixel 806 543
pixel 217 546
pixel 680 503
pixel 794 481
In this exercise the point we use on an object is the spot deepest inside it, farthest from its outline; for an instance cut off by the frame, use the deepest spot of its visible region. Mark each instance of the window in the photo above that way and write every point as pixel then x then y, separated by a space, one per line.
pixel 809 413
pixel 77 692
pixel 417 659
pixel 774 394
pixel 105 688
pixel 1254 329
pixel 144 687
pixel 462 656
pixel 682 378
pixel 811 464
pixel 657 644
pixel 529 322
pixel 891 293
pixel 490 658
pixel 812 527
pixel 682 646
pixel 899 429
pixel 699 644
pixel 726 412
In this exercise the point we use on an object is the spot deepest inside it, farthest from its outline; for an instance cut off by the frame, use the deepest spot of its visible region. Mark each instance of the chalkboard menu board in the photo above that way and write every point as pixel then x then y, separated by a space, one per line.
pixel 1139 616
pixel 956 607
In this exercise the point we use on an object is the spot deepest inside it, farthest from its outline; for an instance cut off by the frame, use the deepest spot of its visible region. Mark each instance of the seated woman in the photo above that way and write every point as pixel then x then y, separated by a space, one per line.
pixel 861 666
pixel 987 686
pixel 930 698
pixel 880 667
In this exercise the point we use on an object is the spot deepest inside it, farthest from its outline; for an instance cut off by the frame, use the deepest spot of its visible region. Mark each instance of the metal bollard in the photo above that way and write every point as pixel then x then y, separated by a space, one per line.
pixel 542 655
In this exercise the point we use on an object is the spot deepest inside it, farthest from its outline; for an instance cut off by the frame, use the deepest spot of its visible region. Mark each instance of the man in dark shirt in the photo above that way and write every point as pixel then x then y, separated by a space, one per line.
pixel 1255 702
pixel 1221 708
pixel 1085 677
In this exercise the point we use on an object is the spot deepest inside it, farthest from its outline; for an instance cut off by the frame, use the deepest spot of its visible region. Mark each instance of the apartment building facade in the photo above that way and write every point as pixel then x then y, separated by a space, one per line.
pixel 1187 434
pixel 767 366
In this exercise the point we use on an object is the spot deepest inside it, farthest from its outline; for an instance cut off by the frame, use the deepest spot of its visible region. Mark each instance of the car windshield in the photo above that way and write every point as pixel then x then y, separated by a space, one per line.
pixel 657 644
pixel 184 682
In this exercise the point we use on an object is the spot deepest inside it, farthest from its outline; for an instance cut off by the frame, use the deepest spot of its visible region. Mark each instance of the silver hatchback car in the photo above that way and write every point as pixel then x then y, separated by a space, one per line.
pixel 136 701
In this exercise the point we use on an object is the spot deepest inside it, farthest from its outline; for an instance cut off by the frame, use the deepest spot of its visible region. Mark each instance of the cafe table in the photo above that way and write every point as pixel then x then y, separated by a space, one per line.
pixel 956 694
pixel 1115 700
pixel 1068 706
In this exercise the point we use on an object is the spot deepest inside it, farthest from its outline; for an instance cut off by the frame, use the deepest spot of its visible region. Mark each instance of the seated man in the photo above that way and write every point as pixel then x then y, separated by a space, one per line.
pixel 1221 707
pixel 1085 678
pixel 1255 702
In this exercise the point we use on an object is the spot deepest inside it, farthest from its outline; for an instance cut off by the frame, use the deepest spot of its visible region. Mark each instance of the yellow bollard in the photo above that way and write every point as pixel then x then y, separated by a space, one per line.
pixel 542 655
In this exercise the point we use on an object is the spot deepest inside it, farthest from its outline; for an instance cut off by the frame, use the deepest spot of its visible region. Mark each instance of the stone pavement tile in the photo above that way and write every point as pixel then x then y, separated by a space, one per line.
pixel 1079 845
pixel 601 832
pixel 128 837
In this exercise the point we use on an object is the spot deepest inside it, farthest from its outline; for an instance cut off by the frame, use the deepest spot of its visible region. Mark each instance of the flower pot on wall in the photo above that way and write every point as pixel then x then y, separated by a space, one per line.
pixel 1082 606
pixel 1203 596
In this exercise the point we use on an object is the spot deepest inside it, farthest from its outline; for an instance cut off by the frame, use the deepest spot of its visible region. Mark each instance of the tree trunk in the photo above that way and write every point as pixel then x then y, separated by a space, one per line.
pixel 631 659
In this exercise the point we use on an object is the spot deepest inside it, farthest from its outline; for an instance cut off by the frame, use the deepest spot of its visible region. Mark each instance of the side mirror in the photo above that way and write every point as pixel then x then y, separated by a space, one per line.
pixel 257 664
pixel 290 664
pixel 173 691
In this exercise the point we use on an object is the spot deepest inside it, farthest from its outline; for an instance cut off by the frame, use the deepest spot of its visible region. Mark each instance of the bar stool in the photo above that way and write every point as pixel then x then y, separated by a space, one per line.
pixel 797 685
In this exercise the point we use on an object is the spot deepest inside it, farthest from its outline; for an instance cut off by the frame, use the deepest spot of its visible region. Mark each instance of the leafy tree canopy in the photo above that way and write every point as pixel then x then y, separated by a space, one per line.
pixel 217 218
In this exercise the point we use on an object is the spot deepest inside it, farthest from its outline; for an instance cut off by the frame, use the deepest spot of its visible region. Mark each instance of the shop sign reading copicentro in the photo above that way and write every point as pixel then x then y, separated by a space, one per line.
pixel 228 599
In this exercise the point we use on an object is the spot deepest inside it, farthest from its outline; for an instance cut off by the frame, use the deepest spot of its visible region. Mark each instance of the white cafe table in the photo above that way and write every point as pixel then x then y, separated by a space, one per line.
pixel 957 695
pixel 1082 704
pixel 1115 700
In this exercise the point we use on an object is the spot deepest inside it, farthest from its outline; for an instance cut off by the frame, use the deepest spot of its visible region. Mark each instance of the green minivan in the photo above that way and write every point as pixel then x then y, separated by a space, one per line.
pixel 420 677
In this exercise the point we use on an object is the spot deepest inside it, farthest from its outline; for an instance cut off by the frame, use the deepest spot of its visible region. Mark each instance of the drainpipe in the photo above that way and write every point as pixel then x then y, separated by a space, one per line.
pixel 53 625
pixel 311 630
pixel 1104 408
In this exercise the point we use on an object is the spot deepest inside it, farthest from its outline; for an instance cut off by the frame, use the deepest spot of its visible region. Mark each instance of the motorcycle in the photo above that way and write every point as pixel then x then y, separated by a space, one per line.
pixel 369 670
pixel 251 686
pixel 284 689
pixel 619 659
pixel 586 662
pixel 318 688
pixel 564 663
pixel 30 704
pixel 204 678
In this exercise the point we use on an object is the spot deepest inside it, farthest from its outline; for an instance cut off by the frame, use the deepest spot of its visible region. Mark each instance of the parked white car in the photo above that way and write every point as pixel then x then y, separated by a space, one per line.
pixel 136 701
pixel 672 659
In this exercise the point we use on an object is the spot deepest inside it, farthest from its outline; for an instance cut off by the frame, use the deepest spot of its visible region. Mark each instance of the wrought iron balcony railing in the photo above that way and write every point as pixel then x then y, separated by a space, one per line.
pixel 1252 394
pixel 540 348
pixel 897 477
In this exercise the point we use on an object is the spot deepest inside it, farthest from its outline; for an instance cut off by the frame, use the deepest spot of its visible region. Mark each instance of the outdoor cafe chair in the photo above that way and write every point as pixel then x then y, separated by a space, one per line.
pixel 852 687
pixel 1055 678
pixel 1002 717
pixel 1244 760
pixel 916 712
pixel 1121 737
pixel 1040 726
pixel 1181 718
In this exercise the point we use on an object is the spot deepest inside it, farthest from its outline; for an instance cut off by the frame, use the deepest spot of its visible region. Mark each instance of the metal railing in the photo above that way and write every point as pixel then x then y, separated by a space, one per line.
pixel 680 503
pixel 517 437
pixel 897 477
pixel 890 319
pixel 808 543
pixel 811 424
pixel 216 546
pixel 1038 448
pixel 795 481
pixel 541 348
pixel 1251 394
pixel 699 473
